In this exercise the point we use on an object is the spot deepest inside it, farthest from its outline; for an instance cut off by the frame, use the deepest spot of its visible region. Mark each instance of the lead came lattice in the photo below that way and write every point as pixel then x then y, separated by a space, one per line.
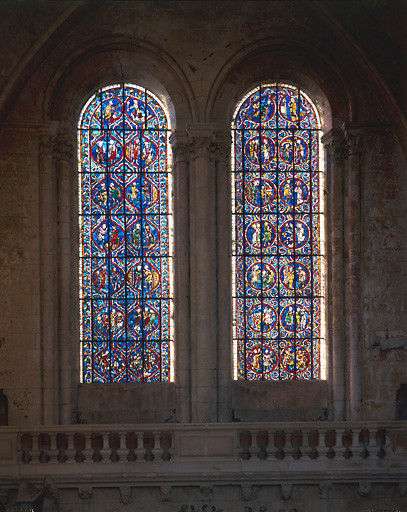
pixel 277 236
pixel 125 238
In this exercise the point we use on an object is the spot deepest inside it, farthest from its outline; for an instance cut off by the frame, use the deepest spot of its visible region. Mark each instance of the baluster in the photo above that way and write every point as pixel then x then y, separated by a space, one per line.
pixel 355 441
pixel 279 443
pixel 140 450
pixel 312 438
pixel 371 447
pixel 262 440
pixel 388 445
pixel 113 442
pixel 80 444
pixel 339 448
pixel 122 451
pixel 53 449
pixel 132 443
pixel 43 447
pixel 254 451
pixel 70 450
pixel 322 448
pixel 296 443
pixel 381 442
pixel 166 442
pixel 97 446
pixel 270 446
pixel 330 440
pixel 88 450
pixel 62 443
pixel 347 443
pixel 245 441
pixel 148 443
pixel 156 446
pixel 35 451
pixel 364 440
pixel 106 450
pixel 26 442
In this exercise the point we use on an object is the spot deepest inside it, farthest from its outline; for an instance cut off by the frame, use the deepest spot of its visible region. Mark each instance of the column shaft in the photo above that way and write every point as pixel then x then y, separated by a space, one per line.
pixel 203 275
pixel 354 275
pixel 182 276
pixel 66 287
pixel 48 280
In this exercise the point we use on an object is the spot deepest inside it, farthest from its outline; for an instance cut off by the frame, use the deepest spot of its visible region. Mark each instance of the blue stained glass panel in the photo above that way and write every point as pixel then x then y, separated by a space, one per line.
pixel 126 307
pixel 277 253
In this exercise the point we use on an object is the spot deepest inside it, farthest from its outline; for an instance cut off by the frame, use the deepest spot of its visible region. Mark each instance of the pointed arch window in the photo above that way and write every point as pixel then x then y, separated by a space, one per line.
pixel 278 236
pixel 125 219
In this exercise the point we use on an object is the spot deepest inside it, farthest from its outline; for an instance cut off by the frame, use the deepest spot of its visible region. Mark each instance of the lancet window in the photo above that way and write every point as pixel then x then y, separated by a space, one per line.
pixel 125 219
pixel 278 236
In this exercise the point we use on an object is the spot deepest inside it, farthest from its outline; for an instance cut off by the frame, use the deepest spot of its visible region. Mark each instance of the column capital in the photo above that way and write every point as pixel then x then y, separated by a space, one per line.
pixel 47 143
pixel 64 147
pixel 223 146
pixel 202 139
pixel 179 145
pixel 335 143
pixel 353 138
pixel 202 146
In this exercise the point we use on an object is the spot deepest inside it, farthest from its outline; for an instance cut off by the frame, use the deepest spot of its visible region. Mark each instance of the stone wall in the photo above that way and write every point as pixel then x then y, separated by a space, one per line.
pixel 200 58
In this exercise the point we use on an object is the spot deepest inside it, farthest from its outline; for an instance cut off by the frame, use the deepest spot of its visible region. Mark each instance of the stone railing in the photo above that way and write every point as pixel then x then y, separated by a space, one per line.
pixel 187 451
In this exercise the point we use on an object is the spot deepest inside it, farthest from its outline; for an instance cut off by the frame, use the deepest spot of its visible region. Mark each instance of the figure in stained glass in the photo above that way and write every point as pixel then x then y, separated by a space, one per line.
pixel 277 236
pixel 125 244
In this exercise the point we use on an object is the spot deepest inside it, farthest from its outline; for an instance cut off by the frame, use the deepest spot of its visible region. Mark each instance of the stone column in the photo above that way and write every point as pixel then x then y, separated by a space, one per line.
pixel 48 276
pixel 335 152
pixel 179 143
pixel 354 296
pixel 224 285
pixel 203 272
pixel 68 334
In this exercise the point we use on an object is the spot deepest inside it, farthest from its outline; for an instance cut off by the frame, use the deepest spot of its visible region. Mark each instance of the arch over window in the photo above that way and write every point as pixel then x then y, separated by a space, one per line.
pixel 125 217
pixel 278 236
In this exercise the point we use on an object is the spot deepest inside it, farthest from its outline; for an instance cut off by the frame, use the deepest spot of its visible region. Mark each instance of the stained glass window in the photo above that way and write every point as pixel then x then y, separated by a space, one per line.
pixel 125 238
pixel 278 226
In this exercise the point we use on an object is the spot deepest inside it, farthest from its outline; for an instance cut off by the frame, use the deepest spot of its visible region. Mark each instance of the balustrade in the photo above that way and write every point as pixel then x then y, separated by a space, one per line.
pixel 251 442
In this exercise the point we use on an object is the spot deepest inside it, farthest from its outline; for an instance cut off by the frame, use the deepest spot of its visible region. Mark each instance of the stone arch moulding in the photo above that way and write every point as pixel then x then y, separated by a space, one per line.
pixel 327 88
pixel 282 60
pixel 79 75
pixel 100 62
